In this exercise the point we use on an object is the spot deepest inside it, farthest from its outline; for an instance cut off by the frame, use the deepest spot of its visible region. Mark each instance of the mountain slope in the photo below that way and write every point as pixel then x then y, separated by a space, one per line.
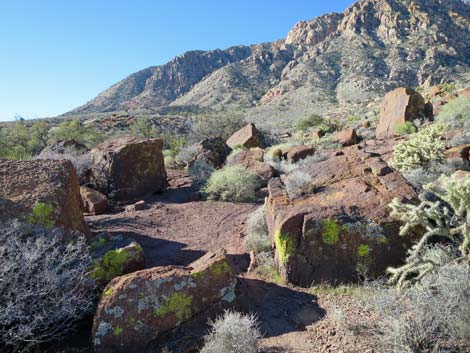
pixel 331 64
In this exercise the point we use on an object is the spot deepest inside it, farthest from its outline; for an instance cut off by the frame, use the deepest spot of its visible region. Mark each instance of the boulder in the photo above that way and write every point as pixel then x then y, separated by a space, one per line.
pixel 138 309
pixel 93 202
pixel 342 228
pixel 41 191
pixel 128 167
pixel 252 160
pixel 398 107
pixel 461 152
pixel 113 256
pixel 297 153
pixel 247 136
pixel 213 151
pixel 64 147
pixel 346 137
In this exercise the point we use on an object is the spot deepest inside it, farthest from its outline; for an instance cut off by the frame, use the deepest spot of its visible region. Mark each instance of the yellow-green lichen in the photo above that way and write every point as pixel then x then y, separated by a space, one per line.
pixel 108 292
pixel 118 330
pixel 98 243
pixel 363 250
pixel 112 263
pixel 330 231
pixel 178 304
pixel 42 214
pixel 221 268
pixel 285 246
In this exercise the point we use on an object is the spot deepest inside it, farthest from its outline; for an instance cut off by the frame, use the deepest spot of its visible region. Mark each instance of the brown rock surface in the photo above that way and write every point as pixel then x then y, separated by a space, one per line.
pixel 93 202
pixel 462 151
pixel 247 136
pixel 346 137
pixel 23 184
pixel 344 226
pixel 297 153
pixel 128 167
pixel 398 107
pixel 213 151
pixel 139 308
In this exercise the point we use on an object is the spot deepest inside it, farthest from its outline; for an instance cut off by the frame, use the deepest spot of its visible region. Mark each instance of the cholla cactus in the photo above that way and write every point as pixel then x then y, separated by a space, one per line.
pixel 444 213
pixel 422 150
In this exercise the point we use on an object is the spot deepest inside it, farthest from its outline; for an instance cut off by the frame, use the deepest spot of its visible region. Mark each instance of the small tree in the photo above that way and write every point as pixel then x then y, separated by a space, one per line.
pixel 221 125
pixel 142 127
pixel 77 131
pixel 44 289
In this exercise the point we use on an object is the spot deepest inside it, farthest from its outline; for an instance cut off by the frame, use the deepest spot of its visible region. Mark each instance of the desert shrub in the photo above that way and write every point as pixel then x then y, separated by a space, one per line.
pixel 232 183
pixel 422 150
pixel 187 153
pixel 463 139
pixel 257 237
pixel 20 142
pixel 77 131
pixel 200 171
pixel 81 162
pixel 298 183
pixel 406 128
pixel 142 127
pixel 456 114
pixel 431 316
pixel 233 332
pixel 313 120
pixel 444 214
pixel 44 288
pixel 221 125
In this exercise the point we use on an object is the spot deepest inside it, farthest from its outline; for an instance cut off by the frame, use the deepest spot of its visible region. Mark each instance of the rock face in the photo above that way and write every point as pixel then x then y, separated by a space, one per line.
pixel 139 308
pixel 93 202
pixel 297 153
pixel 252 160
pixel 64 147
pixel 247 137
pixel 342 228
pixel 46 190
pixel 128 167
pixel 398 107
pixel 346 137
pixel 213 151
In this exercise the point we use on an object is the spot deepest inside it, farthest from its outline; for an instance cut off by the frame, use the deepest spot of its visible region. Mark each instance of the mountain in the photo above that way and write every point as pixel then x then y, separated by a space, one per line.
pixel 335 64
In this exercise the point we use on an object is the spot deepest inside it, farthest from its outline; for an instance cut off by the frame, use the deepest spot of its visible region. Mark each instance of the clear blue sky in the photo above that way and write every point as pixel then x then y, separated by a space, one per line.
pixel 58 54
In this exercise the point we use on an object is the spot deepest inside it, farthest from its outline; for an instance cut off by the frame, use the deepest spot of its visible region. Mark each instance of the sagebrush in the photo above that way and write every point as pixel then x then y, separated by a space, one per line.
pixel 232 183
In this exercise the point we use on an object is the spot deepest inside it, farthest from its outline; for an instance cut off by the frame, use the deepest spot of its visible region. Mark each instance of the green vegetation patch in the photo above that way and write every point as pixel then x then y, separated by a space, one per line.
pixel 221 268
pixel 406 128
pixel 178 304
pixel 331 231
pixel 285 246
pixel 118 330
pixel 112 263
pixel 42 214
pixel 363 250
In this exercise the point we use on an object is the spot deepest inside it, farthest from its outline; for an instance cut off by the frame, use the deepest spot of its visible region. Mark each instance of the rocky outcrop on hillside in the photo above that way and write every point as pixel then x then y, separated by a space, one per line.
pixel 333 64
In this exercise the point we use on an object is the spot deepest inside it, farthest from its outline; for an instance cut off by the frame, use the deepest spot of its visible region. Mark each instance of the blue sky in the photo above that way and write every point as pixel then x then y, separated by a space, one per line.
pixel 57 55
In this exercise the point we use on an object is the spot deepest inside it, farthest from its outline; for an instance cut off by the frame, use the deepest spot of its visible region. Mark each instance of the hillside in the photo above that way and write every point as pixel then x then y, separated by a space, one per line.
pixel 335 64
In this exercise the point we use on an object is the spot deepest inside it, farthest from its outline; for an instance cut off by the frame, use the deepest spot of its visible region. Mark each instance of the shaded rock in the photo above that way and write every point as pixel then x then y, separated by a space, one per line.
pixel 128 167
pixel 64 147
pixel 214 151
pixel 461 152
pixel 138 309
pixel 346 137
pixel 93 202
pixel 113 256
pixel 251 160
pixel 398 107
pixel 46 190
pixel 342 228
pixel 247 136
pixel 297 153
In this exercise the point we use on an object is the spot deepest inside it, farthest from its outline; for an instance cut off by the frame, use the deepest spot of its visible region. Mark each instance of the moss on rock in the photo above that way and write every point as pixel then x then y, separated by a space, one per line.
pixel 331 231
pixel 178 304
pixel 285 246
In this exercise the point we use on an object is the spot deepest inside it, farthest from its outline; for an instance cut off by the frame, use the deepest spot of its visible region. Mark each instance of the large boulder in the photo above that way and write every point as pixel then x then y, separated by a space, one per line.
pixel 252 161
pixel 64 147
pixel 41 191
pixel 128 167
pixel 398 107
pixel 248 137
pixel 346 137
pixel 344 227
pixel 214 151
pixel 136 310
pixel 297 153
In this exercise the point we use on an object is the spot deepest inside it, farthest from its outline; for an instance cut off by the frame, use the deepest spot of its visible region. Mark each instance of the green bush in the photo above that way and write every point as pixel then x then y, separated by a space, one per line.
pixel 221 125
pixel 406 128
pixel 232 184
pixel 257 237
pixel 142 127
pixel 422 150
pixel 20 142
pixel 456 114
pixel 304 125
pixel 77 131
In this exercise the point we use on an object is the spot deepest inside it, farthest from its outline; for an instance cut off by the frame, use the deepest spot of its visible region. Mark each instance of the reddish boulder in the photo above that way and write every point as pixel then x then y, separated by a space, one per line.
pixel 214 151
pixel 128 167
pixel 346 137
pixel 297 153
pixel 93 202
pixel 344 226
pixel 251 160
pixel 139 308
pixel 247 136
pixel 41 191
pixel 398 107
pixel 462 152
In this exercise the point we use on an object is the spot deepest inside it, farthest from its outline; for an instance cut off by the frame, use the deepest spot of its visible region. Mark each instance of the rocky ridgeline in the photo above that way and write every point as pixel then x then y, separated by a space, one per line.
pixel 331 65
